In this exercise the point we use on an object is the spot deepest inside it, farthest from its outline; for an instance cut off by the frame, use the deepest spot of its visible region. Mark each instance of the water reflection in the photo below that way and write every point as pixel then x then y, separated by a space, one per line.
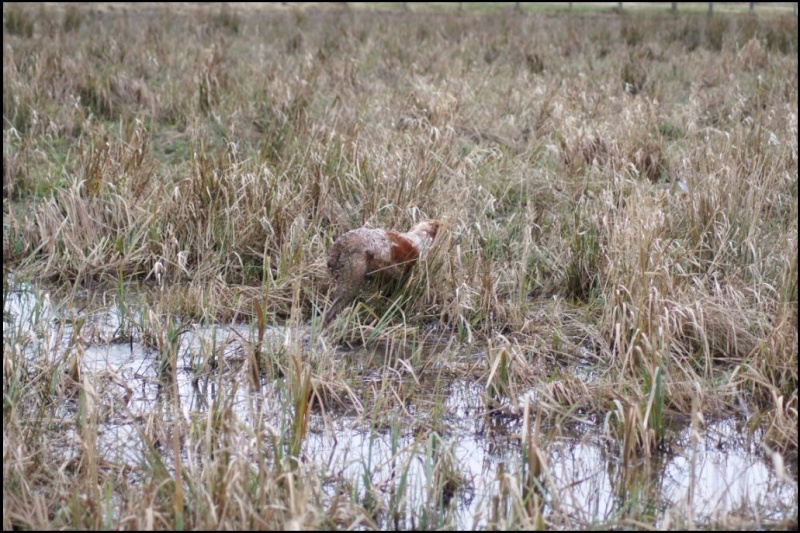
pixel 702 477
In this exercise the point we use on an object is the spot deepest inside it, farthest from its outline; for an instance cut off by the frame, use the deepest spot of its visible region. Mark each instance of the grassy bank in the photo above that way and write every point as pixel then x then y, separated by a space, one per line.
pixel 619 191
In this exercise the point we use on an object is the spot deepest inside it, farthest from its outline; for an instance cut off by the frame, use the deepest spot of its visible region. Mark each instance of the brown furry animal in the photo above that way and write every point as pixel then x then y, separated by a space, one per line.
pixel 365 252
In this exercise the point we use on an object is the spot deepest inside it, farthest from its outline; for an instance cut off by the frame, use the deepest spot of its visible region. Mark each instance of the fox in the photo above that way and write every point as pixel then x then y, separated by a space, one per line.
pixel 372 252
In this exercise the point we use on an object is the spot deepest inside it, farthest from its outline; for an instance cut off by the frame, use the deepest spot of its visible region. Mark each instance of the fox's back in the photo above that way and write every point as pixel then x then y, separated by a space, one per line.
pixel 372 243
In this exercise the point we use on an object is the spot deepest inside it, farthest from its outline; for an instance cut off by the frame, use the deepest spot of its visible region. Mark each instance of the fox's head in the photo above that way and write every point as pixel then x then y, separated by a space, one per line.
pixel 427 227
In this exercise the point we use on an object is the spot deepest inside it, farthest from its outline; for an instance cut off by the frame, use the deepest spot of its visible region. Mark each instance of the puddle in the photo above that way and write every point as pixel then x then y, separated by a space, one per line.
pixel 704 475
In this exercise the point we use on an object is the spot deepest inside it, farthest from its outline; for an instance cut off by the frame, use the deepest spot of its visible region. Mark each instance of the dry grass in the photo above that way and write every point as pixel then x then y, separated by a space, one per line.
pixel 620 192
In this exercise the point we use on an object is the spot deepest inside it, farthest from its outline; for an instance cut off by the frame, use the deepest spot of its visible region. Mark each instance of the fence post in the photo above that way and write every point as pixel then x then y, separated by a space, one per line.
pixel 752 6
pixel 711 8
pixel 620 6
pixel 674 7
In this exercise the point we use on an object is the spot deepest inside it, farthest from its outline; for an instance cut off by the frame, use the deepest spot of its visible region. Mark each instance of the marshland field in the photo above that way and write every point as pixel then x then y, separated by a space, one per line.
pixel 604 335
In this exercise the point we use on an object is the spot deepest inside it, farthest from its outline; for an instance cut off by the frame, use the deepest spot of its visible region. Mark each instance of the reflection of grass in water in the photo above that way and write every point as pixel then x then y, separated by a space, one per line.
pixel 195 169
pixel 415 464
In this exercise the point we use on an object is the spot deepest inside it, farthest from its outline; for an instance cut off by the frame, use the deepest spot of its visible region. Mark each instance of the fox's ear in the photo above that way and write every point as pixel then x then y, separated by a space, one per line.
pixel 435 224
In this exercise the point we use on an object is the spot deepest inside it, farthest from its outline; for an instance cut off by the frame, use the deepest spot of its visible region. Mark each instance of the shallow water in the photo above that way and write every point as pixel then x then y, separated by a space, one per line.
pixel 703 475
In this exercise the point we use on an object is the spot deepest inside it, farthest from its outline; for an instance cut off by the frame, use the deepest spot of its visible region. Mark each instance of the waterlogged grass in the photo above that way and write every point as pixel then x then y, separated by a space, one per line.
pixel 609 312
pixel 374 442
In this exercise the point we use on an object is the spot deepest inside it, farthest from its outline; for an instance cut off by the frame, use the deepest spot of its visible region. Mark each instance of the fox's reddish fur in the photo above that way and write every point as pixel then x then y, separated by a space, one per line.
pixel 364 252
